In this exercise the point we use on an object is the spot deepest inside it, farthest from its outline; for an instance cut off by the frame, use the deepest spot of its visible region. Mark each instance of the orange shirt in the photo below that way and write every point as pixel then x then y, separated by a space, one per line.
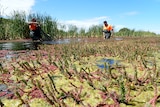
pixel 109 27
pixel 33 26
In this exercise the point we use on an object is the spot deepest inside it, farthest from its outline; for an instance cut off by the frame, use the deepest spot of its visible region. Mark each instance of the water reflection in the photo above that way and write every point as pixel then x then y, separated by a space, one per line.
pixel 4 91
pixel 19 45
pixel 62 41
pixel 29 45
pixel 118 39
pixel 10 50
pixel 59 41
pixel 109 62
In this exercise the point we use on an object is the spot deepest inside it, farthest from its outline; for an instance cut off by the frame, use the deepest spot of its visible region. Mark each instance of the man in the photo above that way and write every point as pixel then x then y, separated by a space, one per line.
pixel 35 32
pixel 107 30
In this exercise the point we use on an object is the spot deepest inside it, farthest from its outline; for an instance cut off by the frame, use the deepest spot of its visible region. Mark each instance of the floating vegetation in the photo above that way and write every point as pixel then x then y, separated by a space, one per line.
pixel 96 73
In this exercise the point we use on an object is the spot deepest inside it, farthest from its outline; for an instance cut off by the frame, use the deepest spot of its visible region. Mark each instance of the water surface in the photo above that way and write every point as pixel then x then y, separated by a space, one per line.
pixel 106 62
pixel 9 49
pixel 30 45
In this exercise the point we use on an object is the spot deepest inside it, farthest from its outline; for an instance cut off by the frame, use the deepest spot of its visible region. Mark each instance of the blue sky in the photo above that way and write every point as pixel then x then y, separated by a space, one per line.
pixel 133 14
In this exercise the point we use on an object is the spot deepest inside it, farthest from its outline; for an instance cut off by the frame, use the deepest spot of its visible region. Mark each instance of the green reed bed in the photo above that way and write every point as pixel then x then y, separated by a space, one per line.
pixel 66 75
pixel 16 25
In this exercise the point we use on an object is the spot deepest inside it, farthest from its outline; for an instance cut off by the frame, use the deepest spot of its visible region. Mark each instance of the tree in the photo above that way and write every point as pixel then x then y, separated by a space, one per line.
pixel 124 32
pixel 82 32
pixel 72 30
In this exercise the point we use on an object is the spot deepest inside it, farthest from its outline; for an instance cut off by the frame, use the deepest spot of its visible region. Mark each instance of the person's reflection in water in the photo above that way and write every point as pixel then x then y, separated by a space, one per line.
pixel 36 45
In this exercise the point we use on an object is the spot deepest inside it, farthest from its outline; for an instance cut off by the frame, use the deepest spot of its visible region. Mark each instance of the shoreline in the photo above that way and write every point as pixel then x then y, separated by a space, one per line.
pixel 17 40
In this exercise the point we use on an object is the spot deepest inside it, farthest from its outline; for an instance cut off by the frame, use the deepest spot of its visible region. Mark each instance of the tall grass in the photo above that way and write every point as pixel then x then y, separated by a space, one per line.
pixel 2 29
pixel 47 24
pixel 16 27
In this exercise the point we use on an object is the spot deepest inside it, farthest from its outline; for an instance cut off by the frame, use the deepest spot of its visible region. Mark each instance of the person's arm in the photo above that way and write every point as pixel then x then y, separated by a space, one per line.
pixel 110 28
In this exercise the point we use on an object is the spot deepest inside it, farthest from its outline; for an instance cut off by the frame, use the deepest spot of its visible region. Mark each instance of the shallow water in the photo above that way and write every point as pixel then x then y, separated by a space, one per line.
pixel 29 45
pixel 10 50
pixel 3 87
pixel 109 62
pixel 119 39
pixel 19 45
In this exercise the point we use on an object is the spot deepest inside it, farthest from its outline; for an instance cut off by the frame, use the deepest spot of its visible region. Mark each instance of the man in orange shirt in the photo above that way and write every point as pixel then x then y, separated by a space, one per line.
pixel 107 30
pixel 35 32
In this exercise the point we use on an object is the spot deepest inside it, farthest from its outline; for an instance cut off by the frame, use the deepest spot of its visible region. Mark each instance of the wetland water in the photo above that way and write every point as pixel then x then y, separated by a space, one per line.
pixel 12 49
pixel 29 45
pixel 19 45
pixel 104 63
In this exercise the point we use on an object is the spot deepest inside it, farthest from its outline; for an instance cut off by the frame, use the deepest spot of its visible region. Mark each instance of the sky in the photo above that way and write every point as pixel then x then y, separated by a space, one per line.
pixel 133 14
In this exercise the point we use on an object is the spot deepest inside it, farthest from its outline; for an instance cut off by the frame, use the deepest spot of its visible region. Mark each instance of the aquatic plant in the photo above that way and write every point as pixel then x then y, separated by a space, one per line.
pixel 68 75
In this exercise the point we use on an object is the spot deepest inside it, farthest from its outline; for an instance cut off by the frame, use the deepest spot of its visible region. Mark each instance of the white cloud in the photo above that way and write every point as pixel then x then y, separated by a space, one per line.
pixel 8 6
pixel 132 13
pixel 87 22
pixel 157 31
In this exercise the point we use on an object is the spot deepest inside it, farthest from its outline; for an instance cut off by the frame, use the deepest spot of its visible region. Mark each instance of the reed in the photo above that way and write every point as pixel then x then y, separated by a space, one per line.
pixel 16 27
